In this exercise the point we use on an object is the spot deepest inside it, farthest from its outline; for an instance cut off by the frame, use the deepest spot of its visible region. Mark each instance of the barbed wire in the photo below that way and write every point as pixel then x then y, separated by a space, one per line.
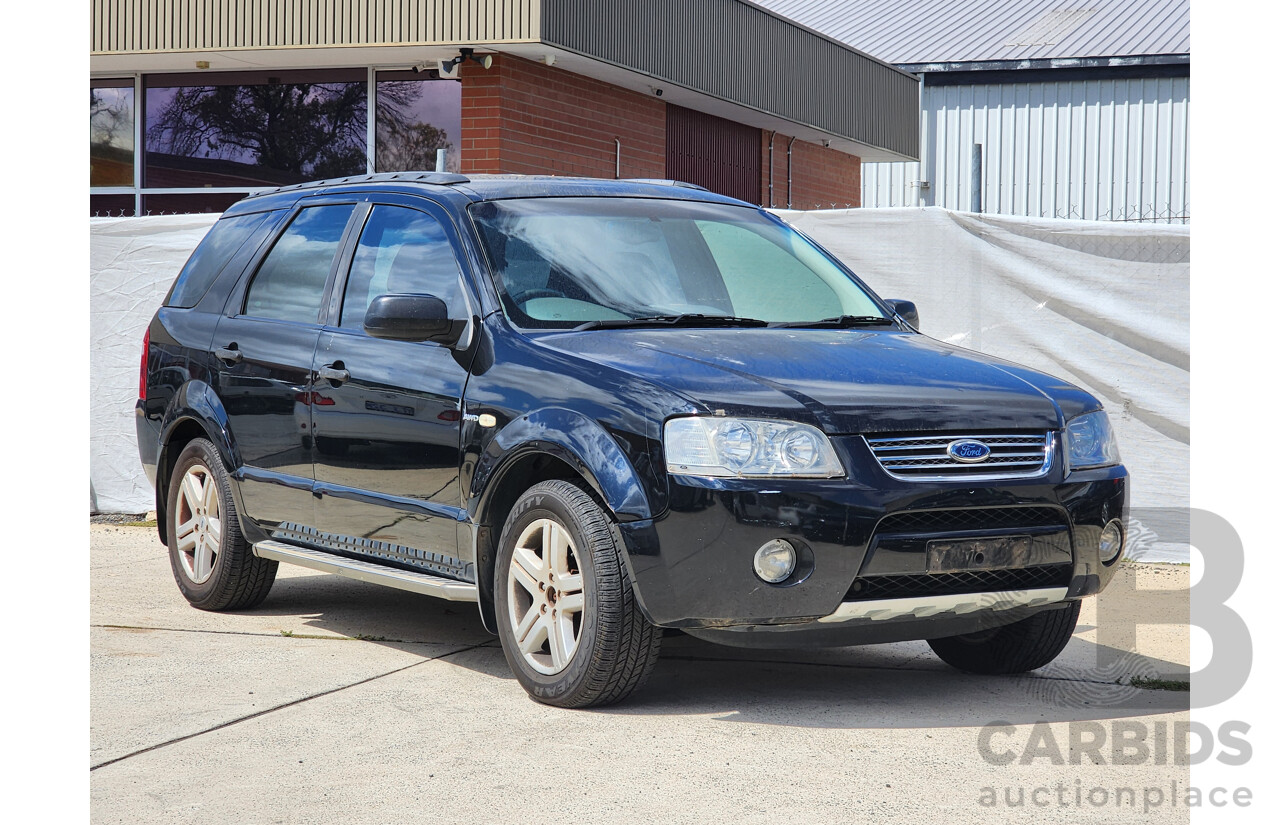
pixel 129 213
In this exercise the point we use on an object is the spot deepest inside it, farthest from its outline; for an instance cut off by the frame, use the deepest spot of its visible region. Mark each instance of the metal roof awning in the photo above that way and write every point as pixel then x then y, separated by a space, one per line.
pixel 730 58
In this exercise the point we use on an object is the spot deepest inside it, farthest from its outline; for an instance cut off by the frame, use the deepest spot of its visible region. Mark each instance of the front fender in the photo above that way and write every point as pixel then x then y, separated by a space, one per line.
pixel 574 439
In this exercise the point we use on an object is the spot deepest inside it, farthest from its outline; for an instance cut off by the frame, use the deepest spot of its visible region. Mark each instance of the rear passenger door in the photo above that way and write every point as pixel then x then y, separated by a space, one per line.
pixel 387 428
pixel 264 346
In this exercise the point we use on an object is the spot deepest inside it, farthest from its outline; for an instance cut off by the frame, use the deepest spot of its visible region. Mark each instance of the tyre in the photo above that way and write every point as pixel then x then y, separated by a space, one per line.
pixel 1014 648
pixel 567 617
pixel 331 446
pixel 213 564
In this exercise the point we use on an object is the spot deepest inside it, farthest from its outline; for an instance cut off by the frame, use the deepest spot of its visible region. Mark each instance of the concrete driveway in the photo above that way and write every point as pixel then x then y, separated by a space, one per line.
pixel 338 701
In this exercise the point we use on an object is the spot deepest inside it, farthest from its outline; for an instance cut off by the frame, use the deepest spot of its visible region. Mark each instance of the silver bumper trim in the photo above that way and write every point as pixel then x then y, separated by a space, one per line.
pixel 367 572
pixel 922 607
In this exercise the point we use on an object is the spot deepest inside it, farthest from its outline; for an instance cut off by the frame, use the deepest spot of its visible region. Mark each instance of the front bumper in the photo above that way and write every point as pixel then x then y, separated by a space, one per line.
pixel 866 545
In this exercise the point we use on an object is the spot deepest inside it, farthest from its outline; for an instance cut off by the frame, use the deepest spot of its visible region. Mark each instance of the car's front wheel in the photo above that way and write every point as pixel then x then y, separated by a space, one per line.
pixel 1013 648
pixel 567 618
pixel 212 562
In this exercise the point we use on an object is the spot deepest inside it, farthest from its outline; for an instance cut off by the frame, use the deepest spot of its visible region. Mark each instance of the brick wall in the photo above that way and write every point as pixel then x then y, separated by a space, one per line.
pixel 820 177
pixel 523 117
pixel 526 118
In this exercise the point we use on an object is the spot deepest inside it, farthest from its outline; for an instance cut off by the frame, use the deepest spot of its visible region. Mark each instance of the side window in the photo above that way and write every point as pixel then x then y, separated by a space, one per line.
pixel 401 250
pixel 209 258
pixel 290 283
pixel 765 281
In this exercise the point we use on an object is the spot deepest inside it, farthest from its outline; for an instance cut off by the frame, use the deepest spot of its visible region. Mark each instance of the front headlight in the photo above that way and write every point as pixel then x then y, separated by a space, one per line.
pixel 748 447
pixel 1090 442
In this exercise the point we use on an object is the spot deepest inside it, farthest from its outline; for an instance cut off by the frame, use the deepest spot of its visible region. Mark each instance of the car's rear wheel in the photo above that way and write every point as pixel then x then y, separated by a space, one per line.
pixel 567 618
pixel 212 562
pixel 1013 648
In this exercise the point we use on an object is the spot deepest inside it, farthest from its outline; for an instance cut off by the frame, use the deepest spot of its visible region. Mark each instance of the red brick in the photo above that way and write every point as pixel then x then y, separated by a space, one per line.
pixel 524 117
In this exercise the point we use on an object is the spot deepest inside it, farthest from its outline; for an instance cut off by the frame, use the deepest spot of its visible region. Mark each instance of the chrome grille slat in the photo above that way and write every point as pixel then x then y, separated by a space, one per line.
pixel 1005 457
pixel 992 439
pixel 925 458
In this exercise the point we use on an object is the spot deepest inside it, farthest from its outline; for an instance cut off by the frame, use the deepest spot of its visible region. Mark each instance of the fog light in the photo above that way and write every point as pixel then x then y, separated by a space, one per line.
pixel 775 561
pixel 1111 542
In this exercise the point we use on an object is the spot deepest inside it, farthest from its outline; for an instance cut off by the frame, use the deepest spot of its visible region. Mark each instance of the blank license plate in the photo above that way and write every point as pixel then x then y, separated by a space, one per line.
pixel 978 554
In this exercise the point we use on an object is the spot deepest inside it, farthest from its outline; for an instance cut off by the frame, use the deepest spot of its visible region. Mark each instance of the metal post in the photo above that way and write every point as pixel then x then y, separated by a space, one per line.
pixel 772 135
pixel 371 122
pixel 139 142
pixel 793 140
pixel 975 185
pixel 441 160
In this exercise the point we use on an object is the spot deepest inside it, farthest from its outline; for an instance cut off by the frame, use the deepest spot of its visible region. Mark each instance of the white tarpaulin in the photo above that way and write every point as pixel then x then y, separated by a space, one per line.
pixel 132 262
pixel 1104 305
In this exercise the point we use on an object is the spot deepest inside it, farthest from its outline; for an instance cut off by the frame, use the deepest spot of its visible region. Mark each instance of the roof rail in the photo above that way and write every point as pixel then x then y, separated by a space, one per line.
pixel 668 182
pixel 435 178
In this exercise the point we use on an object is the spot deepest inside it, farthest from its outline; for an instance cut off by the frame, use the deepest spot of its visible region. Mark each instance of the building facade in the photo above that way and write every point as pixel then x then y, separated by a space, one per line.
pixel 1043 108
pixel 194 103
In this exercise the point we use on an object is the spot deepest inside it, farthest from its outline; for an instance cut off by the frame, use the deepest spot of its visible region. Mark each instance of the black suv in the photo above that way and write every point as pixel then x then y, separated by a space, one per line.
pixel 598 409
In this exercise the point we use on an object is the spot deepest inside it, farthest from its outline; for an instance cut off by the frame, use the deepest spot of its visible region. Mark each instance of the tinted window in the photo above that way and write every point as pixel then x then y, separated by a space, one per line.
pixel 417 116
pixel 290 283
pixel 111 133
pixel 400 251
pixel 255 128
pixel 223 240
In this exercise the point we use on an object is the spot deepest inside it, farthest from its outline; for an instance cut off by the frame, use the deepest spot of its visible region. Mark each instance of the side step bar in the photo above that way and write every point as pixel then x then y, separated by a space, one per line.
pixel 364 571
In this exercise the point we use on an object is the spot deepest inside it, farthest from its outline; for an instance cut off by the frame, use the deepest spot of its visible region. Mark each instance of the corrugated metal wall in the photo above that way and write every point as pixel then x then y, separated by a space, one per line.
pixel 710 151
pixel 188 25
pixel 742 53
pixel 1093 149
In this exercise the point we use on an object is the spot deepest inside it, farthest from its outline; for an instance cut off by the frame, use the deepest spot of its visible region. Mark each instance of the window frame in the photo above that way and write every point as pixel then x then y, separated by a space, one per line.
pixel 443 216
pixel 237 303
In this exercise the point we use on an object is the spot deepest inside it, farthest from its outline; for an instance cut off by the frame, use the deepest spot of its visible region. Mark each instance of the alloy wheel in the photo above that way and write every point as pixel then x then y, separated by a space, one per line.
pixel 198 523
pixel 545 597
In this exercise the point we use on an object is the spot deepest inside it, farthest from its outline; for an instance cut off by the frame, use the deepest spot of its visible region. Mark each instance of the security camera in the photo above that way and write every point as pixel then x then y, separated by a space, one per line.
pixel 658 92
pixel 419 68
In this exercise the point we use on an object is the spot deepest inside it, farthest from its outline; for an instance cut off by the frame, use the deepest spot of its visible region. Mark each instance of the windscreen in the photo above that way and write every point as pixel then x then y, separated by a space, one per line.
pixel 563 262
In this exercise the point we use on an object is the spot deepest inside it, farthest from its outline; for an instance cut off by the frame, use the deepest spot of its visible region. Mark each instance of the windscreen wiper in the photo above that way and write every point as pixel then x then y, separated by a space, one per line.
pixel 688 319
pixel 839 322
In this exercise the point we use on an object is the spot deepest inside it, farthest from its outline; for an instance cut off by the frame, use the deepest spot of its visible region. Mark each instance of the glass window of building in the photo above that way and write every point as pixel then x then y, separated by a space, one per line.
pixel 111 132
pixel 417 114
pixel 254 129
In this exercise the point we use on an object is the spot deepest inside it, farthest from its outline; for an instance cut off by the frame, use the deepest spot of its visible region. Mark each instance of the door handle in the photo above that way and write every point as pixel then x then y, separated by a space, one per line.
pixel 334 373
pixel 229 354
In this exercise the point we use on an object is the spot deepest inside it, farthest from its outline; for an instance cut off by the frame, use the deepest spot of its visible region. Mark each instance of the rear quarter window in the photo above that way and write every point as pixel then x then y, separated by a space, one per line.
pixel 211 256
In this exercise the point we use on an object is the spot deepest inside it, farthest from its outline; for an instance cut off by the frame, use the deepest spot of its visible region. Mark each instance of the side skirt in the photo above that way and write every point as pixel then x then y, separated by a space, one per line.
pixel 365 571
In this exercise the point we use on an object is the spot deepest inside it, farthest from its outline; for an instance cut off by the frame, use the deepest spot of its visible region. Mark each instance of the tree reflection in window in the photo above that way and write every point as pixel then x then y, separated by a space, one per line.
pixel 111 133
pixel 257 134
pixel 416 116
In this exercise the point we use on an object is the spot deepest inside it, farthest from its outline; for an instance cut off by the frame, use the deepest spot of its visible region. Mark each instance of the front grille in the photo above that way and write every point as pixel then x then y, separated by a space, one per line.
pixel 948 584
pixel 974 518
pixel 926 457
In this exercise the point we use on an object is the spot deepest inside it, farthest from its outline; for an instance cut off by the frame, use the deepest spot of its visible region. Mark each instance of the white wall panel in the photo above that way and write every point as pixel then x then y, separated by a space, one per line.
pixel 1094 149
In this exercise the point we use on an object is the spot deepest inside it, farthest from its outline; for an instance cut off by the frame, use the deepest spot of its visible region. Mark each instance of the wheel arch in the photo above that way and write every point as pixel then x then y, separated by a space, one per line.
pixel 195 412
pixel 541 446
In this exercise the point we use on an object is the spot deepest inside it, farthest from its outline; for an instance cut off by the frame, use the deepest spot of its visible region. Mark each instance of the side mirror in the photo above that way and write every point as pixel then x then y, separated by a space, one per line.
pixel 412 318
pixel 906 310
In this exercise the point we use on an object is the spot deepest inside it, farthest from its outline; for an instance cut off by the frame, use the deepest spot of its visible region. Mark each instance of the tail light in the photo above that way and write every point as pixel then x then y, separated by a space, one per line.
pixel 142 371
